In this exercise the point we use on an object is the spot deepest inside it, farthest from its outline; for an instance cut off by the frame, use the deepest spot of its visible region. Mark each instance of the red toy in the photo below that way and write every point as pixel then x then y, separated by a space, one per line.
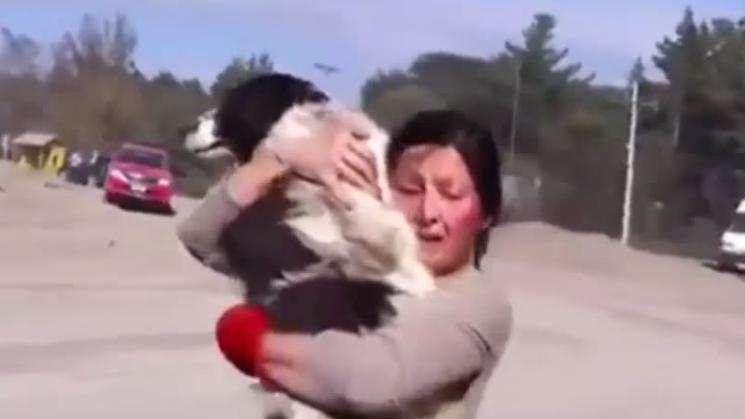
pixel 239 332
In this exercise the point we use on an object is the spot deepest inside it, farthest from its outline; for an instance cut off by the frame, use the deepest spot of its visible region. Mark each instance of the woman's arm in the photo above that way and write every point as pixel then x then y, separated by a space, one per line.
pixel 200 232
pixel 444 339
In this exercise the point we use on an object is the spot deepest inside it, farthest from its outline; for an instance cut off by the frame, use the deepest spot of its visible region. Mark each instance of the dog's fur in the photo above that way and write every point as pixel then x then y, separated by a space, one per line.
pixel 369 240
pixel 371 246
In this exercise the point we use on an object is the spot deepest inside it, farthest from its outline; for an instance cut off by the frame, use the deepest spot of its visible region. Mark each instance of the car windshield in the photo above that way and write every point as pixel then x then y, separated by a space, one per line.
pixel 738 223
pixel 143 157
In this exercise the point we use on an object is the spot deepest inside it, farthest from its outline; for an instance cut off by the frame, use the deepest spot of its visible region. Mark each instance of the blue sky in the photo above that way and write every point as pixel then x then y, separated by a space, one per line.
pixel 198 37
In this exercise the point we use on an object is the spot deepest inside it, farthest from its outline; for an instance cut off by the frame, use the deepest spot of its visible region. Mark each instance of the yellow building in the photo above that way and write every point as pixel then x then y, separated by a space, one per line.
pixel 39 151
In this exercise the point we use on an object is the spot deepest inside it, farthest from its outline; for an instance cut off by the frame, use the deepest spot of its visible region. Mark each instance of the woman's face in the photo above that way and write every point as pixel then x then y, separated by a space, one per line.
pixel 433 188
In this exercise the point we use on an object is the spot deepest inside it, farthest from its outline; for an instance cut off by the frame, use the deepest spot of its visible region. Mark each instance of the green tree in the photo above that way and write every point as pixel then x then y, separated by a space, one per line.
pixel 239 70
pixel 703 64
pixel 174 103
pixel 637 71
pixel 21 85
pixel 569 131
pixel 95 70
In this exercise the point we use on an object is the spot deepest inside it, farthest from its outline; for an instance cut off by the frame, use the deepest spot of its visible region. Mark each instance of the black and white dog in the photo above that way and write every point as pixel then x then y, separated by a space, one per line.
pixel 354 260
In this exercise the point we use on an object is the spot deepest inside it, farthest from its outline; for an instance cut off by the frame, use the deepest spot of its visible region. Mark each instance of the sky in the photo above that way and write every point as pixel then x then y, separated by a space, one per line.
pixel 197 38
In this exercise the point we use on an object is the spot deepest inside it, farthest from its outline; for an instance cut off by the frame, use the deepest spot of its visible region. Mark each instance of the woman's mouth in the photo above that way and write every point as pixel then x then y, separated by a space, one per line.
pixel 431 238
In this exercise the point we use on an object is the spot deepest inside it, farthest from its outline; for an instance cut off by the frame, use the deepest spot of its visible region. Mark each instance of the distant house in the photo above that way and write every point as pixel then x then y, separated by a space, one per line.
pixel 40 151
pixel 5 146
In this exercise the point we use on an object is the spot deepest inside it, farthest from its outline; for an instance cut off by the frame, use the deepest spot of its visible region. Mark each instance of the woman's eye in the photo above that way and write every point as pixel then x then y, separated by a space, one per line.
pixel 452 193
pixel 409 190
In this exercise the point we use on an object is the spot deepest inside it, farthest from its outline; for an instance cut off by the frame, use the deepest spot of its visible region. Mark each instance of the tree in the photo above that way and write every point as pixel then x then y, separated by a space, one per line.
pixel 20 82
pixel 636 75
pixel 704 65
pixel 19 54
pixel 95 70
pixel 239 70
pixel 569 127
pixel 380 83
pixel 570 132
pixel 684 62
pixel 174 103
pixel 546 83
pixel 540 61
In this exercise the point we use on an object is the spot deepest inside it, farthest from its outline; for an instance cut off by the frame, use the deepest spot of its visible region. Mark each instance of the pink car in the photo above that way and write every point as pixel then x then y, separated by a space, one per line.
pixel 139 174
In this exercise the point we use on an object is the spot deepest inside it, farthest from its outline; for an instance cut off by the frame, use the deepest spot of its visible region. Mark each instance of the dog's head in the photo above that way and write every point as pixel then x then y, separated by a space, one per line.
pixel 247 114
pixel 200 138
pixel 312 120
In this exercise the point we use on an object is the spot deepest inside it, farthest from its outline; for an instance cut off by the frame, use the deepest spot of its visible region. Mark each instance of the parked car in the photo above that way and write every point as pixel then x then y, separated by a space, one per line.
pixel 90 170
pixel 99 169
pixel 139 174
pixel 76 168
pixel 732 244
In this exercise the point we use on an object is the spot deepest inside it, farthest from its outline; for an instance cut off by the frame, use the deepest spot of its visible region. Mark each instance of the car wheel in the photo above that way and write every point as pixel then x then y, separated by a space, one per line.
pixel 725 265
pixel 169 210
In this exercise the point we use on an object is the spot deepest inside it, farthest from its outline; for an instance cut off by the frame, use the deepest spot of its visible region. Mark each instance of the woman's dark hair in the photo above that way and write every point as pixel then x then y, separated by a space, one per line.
pixel 477 148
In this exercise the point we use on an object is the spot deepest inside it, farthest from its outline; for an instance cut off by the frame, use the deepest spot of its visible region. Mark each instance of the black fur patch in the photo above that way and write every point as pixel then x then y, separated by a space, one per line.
pixel 258 247
pixel 249 111
pixel 345 304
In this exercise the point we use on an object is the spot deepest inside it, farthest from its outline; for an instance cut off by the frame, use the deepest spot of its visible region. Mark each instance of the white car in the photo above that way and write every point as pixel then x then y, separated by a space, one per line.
pixel 732 244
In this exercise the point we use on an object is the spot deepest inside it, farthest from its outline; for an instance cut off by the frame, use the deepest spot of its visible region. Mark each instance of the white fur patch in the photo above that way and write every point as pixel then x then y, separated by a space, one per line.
pixel 201 140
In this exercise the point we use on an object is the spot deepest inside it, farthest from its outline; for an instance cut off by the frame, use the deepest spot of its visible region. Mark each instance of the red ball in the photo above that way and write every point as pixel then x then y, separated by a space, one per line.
pixel 239 333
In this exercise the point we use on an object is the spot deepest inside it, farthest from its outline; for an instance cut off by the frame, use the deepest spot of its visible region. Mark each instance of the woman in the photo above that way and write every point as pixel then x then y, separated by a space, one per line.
pixel 435 358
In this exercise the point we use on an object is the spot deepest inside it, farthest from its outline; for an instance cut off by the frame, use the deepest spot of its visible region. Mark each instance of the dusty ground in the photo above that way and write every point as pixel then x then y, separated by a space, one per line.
pixel 102 315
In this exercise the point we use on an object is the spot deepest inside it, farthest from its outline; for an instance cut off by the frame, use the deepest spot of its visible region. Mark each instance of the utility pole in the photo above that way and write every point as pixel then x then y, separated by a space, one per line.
pixel 515 110
pixel 630 156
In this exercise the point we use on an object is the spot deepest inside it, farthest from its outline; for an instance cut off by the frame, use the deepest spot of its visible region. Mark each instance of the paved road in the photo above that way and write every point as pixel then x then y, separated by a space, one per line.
pixel 103 316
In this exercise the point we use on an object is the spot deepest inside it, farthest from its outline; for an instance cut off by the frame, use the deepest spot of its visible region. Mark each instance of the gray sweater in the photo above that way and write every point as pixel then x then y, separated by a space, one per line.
pixel 432 361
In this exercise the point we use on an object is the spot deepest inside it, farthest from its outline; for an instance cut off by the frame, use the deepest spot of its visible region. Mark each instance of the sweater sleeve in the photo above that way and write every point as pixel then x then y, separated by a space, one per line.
pixel 442 340
pixel 251 243
pixel 200 232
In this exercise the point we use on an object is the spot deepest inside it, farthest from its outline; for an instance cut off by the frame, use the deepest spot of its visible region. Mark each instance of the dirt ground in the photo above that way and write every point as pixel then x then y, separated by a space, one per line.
pixel 103 315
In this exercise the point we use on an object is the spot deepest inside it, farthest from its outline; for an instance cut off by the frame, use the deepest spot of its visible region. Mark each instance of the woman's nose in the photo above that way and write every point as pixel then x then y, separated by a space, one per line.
pixel 431 207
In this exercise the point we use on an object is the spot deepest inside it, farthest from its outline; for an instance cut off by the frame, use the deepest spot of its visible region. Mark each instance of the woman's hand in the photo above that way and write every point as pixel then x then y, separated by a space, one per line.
pixel 352 162
pixel 338 155
pixel 254 178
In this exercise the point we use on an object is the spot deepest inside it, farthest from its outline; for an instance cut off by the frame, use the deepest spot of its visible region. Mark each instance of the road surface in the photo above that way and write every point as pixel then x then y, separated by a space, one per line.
pixel 103 315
